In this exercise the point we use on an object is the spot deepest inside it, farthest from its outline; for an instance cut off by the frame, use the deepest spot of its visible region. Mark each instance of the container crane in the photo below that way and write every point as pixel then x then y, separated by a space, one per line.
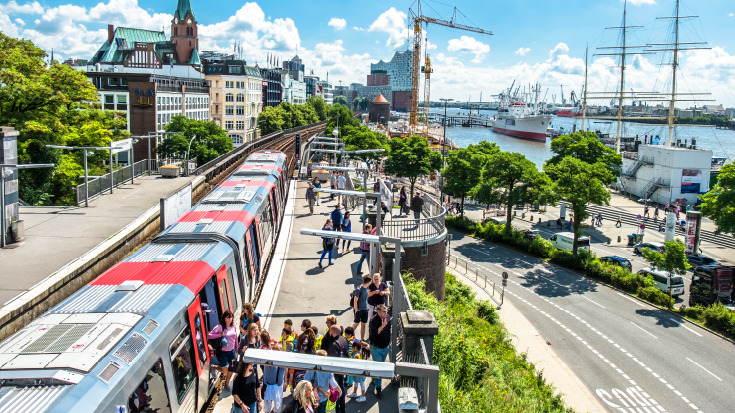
pixel 418 20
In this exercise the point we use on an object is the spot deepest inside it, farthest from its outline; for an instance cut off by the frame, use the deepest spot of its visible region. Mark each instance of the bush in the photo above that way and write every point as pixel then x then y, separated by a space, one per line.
pixel 463 224
pixel 566 259
pixel 656 296
pixel 541 248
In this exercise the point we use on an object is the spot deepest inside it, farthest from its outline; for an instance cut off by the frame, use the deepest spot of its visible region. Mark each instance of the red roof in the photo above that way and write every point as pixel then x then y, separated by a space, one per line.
pixel 190 274
pixel 248 182
pixel 380 99
pixel 218 216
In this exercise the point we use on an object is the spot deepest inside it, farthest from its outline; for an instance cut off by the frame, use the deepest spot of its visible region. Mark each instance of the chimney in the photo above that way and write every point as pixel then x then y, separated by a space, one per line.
pixel 110 33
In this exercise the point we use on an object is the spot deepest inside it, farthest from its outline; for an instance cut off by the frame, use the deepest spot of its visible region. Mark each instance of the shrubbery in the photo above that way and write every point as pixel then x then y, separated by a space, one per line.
pixel 479 368
pixel 716 317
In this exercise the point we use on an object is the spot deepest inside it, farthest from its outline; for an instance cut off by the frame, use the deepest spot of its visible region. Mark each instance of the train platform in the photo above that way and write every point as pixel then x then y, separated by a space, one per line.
pixel 297 288
pixel 57 237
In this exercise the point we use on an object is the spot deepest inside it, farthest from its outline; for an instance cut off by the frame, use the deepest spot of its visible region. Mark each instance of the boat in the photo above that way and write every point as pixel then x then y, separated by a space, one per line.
pixel 519 118
pixel 568 113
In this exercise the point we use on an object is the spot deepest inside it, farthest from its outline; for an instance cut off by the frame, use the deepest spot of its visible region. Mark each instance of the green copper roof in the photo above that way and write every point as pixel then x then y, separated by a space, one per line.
pixel 195 58
pixel 124 43
pixel 183 8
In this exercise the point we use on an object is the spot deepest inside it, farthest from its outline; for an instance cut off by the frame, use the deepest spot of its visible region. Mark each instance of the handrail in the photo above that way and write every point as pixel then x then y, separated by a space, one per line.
pixel 415 229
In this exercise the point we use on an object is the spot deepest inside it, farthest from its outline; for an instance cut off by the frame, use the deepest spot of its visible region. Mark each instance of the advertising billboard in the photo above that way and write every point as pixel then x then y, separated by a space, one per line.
pixel 690 181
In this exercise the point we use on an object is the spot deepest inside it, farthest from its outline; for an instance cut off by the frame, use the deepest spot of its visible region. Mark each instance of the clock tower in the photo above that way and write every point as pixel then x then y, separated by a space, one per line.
pixel 184 32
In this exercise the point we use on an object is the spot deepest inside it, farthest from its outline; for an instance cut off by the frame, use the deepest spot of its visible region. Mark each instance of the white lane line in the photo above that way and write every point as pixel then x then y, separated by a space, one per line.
pixel 628 298
pixel 643 330
pixel 700 366
pixel 550 280
pixel 682 325
pixel 594 302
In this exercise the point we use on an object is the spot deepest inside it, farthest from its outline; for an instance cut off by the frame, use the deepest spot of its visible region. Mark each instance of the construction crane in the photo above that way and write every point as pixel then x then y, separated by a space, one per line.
pixel 418 20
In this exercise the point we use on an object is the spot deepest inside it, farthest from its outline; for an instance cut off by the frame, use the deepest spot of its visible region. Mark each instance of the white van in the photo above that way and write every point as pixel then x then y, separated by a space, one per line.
pixel 665 281
pixel 565 240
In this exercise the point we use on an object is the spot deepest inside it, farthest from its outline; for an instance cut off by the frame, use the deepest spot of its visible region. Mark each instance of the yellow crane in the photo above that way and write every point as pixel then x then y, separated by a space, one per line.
pixel 418 20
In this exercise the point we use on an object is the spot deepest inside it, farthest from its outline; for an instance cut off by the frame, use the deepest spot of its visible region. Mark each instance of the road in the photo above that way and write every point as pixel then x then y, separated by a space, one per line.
pixel 628 353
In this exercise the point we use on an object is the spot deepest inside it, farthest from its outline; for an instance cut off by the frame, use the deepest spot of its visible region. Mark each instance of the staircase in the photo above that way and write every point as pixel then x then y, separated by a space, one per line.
pixel 630 173
pixel 654 185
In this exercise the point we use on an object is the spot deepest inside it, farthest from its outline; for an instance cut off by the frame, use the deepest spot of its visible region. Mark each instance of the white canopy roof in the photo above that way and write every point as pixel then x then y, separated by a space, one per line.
pixel 338 365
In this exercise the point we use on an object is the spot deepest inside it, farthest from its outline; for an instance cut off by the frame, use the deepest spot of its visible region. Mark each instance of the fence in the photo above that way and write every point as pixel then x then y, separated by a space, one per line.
pixel 480 276
pixel 415 229
pixel 99 185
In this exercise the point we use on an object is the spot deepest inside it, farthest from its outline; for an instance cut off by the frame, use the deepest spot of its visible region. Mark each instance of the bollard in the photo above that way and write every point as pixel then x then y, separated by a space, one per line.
pixel 618 238
pixel 523 215
pixel 548 223
pixel 515 213
pixel 531 218
pixel 539 221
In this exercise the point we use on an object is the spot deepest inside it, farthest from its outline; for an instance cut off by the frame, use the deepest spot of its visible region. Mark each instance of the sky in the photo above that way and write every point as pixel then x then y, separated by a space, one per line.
pixel 533 41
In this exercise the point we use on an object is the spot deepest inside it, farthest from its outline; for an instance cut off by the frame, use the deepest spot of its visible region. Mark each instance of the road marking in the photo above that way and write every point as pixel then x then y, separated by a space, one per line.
pixel 700 366
pixel 682 325
pixel 593 302
pixel 643 330
pixel 550 280
pixel 631 299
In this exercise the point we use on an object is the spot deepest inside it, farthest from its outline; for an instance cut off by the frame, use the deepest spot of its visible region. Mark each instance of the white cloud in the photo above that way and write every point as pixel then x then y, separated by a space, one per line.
pixel 392 22
pixel 522 51
pixel 731 14
pixel 430 46
pixel 468 44
pixel 560 48
pixel 641 2
pixel 337 23
pixel 20 21
pixel 14 8
pixel 358 29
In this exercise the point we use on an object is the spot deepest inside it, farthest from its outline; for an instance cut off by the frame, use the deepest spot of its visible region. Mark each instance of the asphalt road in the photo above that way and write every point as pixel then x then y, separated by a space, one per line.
pixel 633 356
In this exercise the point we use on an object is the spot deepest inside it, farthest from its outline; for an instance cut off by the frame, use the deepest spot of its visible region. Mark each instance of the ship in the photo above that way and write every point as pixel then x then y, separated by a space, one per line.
pixel 518 118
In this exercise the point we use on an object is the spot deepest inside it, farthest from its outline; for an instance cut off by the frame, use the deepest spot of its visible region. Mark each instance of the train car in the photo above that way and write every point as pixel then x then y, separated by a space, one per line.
pixel 134 339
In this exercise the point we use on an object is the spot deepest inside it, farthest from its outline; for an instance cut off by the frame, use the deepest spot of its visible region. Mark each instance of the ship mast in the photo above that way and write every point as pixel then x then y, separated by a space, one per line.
pixel 622 80
pixel 584 95
pixel 675 61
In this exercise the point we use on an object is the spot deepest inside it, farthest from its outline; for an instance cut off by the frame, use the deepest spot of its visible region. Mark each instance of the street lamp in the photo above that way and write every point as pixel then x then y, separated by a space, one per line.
pixel 3 228
pixel 86 174
pixel 444 142
pixel 186 157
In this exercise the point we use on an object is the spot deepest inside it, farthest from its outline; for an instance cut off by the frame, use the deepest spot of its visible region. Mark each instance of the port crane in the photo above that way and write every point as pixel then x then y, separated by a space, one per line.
pixel 419 19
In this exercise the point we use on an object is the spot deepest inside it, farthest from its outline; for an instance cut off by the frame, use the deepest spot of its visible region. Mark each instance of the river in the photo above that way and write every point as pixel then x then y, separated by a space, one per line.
pixel 720 141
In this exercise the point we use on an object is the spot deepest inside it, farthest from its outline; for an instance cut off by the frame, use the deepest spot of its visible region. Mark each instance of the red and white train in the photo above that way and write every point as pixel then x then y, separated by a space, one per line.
pixel 134 339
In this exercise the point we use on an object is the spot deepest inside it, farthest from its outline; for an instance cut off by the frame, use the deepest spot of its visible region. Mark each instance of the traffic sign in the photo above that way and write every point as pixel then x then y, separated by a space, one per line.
pixel 642 226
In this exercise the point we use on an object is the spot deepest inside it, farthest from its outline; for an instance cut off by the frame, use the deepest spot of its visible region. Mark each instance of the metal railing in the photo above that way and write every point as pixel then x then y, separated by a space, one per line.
pixel 415 229
pixel 97 186
pixel 480 276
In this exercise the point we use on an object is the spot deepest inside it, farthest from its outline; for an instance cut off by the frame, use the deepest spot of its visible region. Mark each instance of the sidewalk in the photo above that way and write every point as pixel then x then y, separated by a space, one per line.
pixel 307 291
pixel 56 236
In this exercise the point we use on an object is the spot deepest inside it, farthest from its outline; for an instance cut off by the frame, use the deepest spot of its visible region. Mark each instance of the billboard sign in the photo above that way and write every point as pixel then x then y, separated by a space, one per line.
pixel 691 237
pixel 691 180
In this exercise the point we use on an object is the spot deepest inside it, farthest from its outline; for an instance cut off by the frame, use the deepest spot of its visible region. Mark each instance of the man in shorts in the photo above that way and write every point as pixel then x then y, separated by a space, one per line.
pixel 360 305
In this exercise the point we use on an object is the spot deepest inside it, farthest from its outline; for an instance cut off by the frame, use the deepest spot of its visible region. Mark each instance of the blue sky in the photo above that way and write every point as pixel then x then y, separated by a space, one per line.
pixel 534 40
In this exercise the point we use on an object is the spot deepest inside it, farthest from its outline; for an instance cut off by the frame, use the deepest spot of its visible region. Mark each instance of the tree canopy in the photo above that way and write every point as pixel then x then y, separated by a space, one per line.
pixel 411 157
pixel 362 138
pixel 464 166
pixel 672 260
pixel 211 141
pixel 340 100
pixel 586 147
pixel 287 115
pixel 719 202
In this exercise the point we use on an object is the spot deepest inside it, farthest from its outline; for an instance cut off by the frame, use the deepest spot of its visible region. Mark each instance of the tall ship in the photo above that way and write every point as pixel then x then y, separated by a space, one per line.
pixel 518 115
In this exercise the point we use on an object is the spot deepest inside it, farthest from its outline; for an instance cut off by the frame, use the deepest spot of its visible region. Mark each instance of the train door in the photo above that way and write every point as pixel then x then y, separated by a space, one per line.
pixel 224 287
pixel 276 208
pixel 252 240
pixel 201 353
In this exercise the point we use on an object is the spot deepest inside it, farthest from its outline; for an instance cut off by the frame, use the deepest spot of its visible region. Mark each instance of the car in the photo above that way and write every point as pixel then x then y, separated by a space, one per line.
pixel 653 246
pixel 494 221
pixel 696 260
pixel 530 233
pixel 711 284
pixel 665 281
pixel 619 261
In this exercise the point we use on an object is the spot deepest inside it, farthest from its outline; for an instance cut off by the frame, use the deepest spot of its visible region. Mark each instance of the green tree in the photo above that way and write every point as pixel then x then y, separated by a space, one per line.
pixel 672 260
pixel 586 147
pixel 510 176
pixel 461 174
pixel 364 103
pixel 211 141
pixel 340 100
pixel 319 105
pixel 579 183
pixel 271 119
pixel 411 157
pixel 360 137
pixel 342 115
pixel 719 202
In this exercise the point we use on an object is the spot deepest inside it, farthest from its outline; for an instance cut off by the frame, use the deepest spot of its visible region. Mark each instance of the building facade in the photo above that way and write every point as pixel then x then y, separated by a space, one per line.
pixel 294 91
pixel 236 95
pixel 326 90
pixel 398 71
pixel 272 90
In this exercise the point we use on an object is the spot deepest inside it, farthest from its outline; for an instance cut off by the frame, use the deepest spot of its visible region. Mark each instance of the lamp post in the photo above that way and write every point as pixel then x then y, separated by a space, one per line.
pixel 444 142
pixel 186 156
pixel 86 174
pixel 3 227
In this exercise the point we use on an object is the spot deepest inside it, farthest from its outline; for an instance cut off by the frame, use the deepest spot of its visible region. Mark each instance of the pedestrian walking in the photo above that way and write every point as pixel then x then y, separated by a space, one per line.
pixel 618 223
pixel 247 317
pixel 246 390
pixel 417 204
pixel 317 185
pixel 338 347
pixel 332 184
pixel 376 189
pixel 645 211
pixel 341 181
pixel 327 243
pixel 323 382
pixel 570 223
pixel 594 220
pixel 225 336
pixel 380 340
pixel 310 198
pixel 666 208
pixel 377 295
pixel 360 305
pixel 304 400
pixel 364 250
pixel 336 216
pixel 403 201
pixel 273 381
pixel 655 213
pixel 599 219
pixel 558 223
pixel 346 227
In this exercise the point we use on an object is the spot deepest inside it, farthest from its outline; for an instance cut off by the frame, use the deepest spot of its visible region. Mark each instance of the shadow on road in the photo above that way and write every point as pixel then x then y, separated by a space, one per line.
pixel 542 283
pixel 663 317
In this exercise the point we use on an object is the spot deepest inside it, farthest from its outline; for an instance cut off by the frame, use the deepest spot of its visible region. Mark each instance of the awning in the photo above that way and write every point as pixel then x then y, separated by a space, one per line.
pixel 350 236
pixel 337 365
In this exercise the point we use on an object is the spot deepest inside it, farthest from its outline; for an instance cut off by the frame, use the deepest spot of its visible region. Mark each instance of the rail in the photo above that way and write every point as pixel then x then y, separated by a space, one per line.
pixel 415 229
pixel 481 279
pixel 97 186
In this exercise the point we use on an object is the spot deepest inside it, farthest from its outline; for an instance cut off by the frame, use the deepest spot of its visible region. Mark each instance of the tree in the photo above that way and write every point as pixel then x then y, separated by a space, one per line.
pixel 345 116
pixel 586 147
pixel 579 183
pixel 319 105
pixel 360 137
pixel 672 260
pixel 461 174
pixel 719 202
pixel 340 100
pixel 411 157
pixel 211 141
pixel 510 176
pixel 271 120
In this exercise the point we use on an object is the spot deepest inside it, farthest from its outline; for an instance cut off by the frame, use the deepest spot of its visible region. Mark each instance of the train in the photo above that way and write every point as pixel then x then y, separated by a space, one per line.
pixel 134 339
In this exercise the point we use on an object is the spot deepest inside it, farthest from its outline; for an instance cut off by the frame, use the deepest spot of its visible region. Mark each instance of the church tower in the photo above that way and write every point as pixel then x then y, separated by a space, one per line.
pixel 184 34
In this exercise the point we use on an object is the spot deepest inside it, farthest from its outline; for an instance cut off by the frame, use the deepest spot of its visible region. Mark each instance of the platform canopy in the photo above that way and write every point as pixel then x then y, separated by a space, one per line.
pixel 336 365
pixel 349 236
pixel 347 192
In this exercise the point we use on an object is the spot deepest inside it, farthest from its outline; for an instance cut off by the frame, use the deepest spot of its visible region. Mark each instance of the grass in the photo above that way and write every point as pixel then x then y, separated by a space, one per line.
pixel 480 370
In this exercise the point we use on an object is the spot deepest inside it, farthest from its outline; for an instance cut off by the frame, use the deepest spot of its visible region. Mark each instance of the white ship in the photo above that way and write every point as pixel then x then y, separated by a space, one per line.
pixel 520 119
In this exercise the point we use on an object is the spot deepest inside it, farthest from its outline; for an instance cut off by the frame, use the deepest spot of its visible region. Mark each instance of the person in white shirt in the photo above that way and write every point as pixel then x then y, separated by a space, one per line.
pixel 340 185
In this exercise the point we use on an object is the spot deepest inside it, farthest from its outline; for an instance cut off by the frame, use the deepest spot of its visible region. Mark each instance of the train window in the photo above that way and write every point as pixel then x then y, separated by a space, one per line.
pixel 233 296
pixel 201 344
pixel 223 294
pixel 254 245
pixel 181 363
pixel 274 196
pixel 151 395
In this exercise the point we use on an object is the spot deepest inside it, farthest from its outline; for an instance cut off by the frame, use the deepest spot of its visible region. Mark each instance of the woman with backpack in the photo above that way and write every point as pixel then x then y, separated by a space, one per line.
pixel 273 379
pixel 248 316
pixel 224 335
pixel 327 243
pixel 346 227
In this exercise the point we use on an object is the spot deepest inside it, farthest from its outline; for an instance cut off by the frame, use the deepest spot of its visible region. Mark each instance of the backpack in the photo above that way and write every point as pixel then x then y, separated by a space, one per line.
pixel 318 341
pixel 353 295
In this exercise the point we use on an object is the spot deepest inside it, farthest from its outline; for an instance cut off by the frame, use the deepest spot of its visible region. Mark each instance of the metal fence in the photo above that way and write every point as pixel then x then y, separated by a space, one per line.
pixel 415 229
pixel 479 275
pixel 99 185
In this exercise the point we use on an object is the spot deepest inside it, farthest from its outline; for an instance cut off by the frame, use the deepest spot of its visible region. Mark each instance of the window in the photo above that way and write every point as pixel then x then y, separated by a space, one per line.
pixel 151 396
pixel 240 125
pixel 228 124
pixel 240 97
pixel 112 81
pixel 182 359
pixel 241 110
pixel 229 84
pixel 234 69
pixel 109 99
pixel 229 97
pixel 123 81
pixel 229 110
pixel 236 140
pixel 122 99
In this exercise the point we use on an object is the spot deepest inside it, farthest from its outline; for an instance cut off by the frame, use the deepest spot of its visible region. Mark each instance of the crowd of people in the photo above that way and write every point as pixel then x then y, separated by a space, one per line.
pixel 256 389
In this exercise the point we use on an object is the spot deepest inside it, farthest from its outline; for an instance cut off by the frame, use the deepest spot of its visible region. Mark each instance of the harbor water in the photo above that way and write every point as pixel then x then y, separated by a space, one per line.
pixel 720 141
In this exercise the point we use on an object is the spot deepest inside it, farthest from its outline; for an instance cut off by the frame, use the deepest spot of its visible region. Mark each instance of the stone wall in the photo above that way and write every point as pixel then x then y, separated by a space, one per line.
pixel 427 264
